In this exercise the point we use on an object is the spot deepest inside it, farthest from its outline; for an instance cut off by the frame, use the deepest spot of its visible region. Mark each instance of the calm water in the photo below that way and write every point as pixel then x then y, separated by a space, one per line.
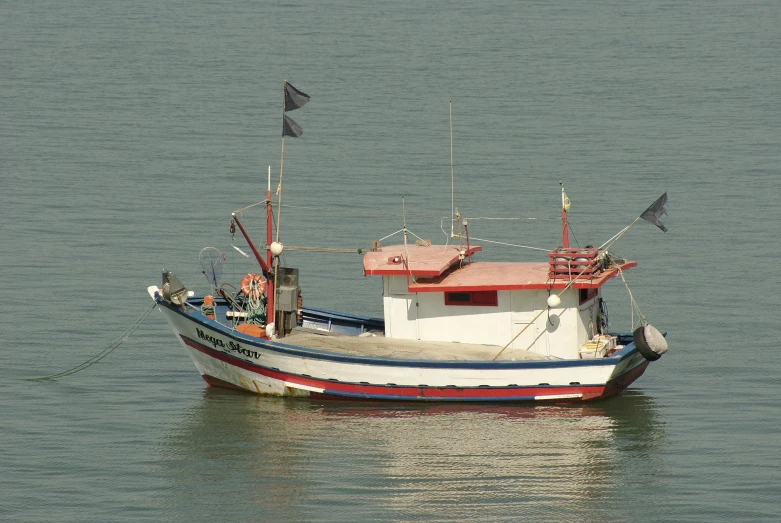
pixel 130 130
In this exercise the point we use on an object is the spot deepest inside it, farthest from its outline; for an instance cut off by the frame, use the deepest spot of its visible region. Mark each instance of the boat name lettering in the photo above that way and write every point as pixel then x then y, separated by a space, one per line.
pixel 211 339
pixel 235 347
pixel 232 346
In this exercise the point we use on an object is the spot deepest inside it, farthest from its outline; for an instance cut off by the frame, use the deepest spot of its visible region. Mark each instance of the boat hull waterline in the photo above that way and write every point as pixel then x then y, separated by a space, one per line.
pixel 227 358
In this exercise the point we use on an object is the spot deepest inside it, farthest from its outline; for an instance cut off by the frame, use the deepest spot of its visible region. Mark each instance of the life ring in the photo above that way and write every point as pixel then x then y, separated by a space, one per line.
pixel 254 284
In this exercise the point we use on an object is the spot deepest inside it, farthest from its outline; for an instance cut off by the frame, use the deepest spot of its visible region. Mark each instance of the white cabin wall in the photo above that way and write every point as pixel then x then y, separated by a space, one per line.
pixel 560 333
pixel 531 333
pixel 564 335
pixel 488 325
pixel 399 309
pixel 553 333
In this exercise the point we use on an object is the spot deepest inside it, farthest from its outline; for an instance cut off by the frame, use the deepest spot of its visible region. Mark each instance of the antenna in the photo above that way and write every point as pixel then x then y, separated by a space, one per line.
pixel 452 176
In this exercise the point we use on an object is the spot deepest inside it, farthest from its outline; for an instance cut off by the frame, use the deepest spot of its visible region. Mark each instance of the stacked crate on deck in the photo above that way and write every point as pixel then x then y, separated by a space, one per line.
pixel 572 263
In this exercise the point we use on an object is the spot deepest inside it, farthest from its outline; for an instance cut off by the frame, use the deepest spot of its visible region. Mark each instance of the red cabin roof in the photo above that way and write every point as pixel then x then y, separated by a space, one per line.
pixel 481 276
pixel 415 260
pixel 436 269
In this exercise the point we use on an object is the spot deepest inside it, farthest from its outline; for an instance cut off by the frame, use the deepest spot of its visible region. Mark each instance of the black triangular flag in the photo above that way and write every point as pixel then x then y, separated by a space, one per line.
pixel 656 211
pixel 290 127
pixel 294 98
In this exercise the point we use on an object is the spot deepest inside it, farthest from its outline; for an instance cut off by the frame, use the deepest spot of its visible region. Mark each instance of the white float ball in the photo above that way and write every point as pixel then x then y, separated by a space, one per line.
pixel 276 248
pixel 554 301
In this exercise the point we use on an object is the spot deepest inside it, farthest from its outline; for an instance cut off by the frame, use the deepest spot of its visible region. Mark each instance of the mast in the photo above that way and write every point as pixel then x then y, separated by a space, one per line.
pixel 452 176
pixel 271 316
pixel 565 204
pixel 296 100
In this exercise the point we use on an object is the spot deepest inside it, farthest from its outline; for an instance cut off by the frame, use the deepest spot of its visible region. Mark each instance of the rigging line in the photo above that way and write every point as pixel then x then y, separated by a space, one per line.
pixel 395 215
pixel 323 249
pixel 249 207
pixel 404 231
pixel 442 227
pixel 102 354
pixel 416 236
pixel 631 298
pixel 572 231
pixel 340 211
pixel 510 244
pixel 615 238
pixel 391 234
pixel 513 219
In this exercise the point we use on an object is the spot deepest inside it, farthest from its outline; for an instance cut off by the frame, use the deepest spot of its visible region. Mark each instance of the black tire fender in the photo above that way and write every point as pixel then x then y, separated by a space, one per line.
pixel 653 350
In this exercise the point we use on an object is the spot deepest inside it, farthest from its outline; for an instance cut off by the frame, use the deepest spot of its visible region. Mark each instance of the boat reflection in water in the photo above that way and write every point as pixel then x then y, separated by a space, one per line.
pixel 245 457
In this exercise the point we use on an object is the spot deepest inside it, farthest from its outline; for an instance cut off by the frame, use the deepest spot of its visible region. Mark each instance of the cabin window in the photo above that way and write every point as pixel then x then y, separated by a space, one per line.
pixel 587 294
pixel 475 298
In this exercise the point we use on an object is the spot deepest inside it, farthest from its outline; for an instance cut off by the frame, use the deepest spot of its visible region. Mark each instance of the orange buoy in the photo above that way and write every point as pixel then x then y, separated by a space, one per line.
pixel 254 284
pixel 208 307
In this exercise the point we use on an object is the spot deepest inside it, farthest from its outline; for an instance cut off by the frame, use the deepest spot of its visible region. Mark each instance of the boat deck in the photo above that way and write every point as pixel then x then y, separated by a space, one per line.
pixel 378 345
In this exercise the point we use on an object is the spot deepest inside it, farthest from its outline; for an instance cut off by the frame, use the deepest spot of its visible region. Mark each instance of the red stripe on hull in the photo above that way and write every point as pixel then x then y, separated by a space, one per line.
pixel 211 381
pixel 333 388
pixel 621 382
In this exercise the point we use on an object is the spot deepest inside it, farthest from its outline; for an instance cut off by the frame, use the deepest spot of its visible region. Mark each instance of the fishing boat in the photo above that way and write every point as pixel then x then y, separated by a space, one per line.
pixel 454 328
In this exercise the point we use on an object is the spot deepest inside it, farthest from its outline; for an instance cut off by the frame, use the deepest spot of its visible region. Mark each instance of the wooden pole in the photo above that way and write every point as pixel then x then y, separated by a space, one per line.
pixel 564 232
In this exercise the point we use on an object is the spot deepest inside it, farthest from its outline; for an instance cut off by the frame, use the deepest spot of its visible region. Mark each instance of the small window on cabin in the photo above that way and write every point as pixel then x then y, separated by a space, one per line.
pixel 458 298
pixel 475 298
pixel 587 294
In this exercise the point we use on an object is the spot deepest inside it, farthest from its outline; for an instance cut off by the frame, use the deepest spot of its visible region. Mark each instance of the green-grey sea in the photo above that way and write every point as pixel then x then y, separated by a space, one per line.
pixel 129 132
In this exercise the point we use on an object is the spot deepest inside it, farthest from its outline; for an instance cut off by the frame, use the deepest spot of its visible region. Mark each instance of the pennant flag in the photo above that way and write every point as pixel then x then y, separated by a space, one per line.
pixel 565 203
pixel 656 211
pixel 290 127
pixel 294 98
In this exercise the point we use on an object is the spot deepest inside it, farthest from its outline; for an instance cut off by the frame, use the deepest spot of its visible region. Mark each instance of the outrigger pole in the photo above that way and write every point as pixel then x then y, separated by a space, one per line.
pixel 263 266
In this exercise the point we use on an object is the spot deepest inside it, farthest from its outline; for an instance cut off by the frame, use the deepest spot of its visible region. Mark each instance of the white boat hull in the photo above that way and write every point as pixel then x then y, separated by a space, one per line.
pixel 229 358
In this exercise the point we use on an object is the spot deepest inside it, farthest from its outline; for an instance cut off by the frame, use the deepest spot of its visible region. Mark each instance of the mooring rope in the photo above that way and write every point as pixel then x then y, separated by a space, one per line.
pixel 633 304
pixel 102 354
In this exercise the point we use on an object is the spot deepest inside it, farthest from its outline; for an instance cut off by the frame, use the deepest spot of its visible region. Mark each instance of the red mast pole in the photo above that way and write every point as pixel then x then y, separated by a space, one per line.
pixel 564 207
pixel 564 235
pixel 251 245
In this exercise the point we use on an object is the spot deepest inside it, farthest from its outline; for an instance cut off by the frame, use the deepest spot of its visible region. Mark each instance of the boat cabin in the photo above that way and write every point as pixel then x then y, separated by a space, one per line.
pixel 436 293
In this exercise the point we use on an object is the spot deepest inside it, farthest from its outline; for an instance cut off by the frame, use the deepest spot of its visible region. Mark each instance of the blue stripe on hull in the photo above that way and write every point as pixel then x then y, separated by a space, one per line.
pixel 293 350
